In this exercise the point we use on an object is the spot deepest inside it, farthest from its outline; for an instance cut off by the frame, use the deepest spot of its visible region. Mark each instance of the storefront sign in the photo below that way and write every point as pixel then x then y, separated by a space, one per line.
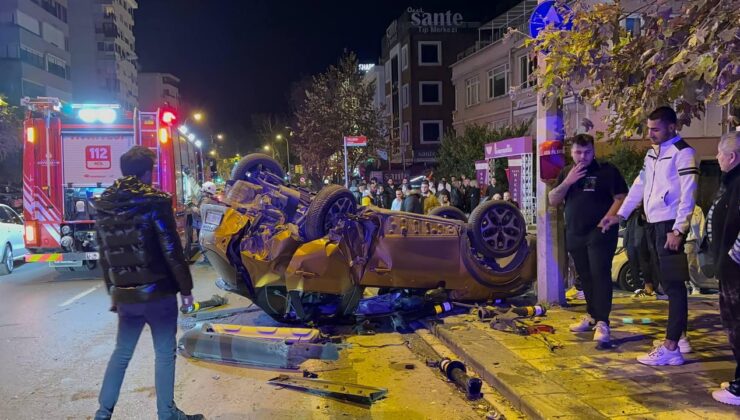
pixel 509 147
pixel 435 22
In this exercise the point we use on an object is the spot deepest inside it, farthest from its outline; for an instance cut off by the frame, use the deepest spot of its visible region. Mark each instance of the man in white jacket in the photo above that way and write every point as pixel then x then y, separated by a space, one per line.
pixel 667 187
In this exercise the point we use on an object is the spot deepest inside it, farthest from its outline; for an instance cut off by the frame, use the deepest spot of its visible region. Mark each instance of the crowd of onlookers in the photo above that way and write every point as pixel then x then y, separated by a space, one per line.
pixel 462 193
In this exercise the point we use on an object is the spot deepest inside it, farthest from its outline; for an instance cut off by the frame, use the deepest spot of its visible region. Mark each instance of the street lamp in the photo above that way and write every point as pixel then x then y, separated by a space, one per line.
pixel 220 136
pixel 287 148
pixel 198 116
pixel 267 148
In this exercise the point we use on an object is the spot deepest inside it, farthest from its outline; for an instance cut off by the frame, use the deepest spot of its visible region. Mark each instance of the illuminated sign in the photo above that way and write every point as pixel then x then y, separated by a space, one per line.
pixel 435 22
pixel 365 67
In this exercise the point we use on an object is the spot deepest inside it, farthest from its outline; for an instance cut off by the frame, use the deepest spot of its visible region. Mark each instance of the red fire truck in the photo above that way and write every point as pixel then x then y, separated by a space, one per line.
pixel 71 154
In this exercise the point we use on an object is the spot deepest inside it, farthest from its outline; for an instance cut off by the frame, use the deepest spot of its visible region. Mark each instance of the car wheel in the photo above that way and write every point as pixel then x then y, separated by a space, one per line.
pixel 7 263
pixel 274 301
pixel 325 210
pixel 449 212
pixel 498 228
pixel 627 281
pixel 251 165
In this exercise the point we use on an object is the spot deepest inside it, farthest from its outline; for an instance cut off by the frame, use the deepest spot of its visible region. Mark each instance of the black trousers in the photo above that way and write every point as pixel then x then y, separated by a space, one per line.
pixel 729 304
pixel 592 255
pixel 673 272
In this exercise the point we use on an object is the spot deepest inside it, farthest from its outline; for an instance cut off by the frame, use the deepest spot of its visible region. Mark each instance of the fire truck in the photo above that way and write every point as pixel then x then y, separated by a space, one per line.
pixel 71 154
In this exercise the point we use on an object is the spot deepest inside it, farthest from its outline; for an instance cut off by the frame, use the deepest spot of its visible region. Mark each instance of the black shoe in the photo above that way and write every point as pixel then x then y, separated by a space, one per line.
pixel 183 416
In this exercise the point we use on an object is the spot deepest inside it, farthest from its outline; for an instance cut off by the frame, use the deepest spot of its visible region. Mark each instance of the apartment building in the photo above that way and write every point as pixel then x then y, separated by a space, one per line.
pixel 417 50
pixel 34 49
pixel 156 89
pixel 104 58
pixel 485 73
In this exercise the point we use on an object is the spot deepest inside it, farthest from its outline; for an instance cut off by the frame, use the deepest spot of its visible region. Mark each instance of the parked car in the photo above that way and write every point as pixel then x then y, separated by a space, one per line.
pixel 623 276
pixel 12 246
pixel 306 257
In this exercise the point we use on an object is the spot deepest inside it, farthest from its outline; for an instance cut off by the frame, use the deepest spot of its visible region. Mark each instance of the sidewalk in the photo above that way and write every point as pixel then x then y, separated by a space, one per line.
pixel 581 381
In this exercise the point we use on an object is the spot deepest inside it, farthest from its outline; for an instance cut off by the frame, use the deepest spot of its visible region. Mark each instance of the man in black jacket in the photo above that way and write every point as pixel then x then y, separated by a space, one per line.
pixel 144 268
pixel 723 230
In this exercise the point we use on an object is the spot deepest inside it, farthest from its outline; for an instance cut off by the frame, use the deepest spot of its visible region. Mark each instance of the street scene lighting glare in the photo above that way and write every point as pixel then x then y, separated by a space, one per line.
pixel 212 153
pixel 279 137
pixel 198 143
pixel 183 129
pixel 198 116
pixel 191 136
pixel 220 136
pixel 267 148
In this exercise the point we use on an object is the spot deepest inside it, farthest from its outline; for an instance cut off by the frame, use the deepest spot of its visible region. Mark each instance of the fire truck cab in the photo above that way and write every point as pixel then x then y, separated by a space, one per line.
pixel 71 154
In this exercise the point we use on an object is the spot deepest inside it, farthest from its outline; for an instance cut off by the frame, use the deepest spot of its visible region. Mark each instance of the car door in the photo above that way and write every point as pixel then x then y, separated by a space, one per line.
pixel 14 229
pixel 4 229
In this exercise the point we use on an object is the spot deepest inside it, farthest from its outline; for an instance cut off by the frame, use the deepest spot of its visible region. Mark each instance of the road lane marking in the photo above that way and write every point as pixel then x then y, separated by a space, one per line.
pixel 78 296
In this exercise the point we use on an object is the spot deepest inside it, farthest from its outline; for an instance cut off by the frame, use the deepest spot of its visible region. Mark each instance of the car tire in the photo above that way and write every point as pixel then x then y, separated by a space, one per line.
pixel 256 162
pixel 627 281
pixel 325 209
pixel 7 264
pixel 497 228
pixel 449 212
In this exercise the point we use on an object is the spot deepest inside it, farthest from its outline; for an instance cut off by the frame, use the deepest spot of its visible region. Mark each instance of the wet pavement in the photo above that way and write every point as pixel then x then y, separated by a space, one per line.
pixel 56 335
pixel 581 380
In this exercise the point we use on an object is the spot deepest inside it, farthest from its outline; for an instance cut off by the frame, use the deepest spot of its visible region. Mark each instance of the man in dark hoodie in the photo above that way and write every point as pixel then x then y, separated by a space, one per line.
pixel 723 229
pixel 144 268
pixel 412 202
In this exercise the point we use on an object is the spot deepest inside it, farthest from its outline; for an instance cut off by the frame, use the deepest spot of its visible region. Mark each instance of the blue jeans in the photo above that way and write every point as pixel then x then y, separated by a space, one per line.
pixel 161 315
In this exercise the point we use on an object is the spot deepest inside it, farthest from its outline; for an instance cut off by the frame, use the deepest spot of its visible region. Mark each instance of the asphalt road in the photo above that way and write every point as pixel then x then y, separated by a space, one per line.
pixel 56 335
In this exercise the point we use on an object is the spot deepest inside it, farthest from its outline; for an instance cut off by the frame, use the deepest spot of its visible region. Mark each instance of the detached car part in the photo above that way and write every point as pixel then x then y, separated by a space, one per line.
pixel 244 346
pixel 305 257
pixel 340 390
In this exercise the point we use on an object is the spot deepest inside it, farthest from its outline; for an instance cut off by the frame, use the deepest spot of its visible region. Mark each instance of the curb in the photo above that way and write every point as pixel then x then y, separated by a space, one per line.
pixel 529 405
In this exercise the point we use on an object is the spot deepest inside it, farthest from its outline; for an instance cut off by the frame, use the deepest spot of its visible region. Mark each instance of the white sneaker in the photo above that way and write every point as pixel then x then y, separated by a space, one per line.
pixel 586 324
pixel 660 296
pixel 602 332
pixel 726 397
pixel 661 356
pixel 684 346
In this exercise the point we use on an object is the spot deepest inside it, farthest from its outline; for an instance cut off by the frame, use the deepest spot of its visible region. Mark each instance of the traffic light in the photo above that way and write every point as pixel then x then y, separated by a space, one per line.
pixel 167 116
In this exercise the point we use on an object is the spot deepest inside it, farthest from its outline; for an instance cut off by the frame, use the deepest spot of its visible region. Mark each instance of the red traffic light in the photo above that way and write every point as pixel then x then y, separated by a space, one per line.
pixel 167 116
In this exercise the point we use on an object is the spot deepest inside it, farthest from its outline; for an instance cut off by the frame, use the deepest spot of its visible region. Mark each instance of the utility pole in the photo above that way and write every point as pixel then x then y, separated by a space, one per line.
pixel 551 255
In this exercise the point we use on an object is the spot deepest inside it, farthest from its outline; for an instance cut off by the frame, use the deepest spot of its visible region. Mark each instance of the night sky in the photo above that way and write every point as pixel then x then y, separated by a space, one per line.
pixel 239 57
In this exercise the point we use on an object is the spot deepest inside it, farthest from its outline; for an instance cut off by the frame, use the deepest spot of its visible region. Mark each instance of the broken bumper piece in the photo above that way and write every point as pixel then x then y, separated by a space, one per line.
pixel 248 346
pixel 362 394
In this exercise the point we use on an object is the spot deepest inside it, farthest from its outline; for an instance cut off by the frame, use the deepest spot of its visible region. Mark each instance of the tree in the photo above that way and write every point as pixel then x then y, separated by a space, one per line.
pixel 457 154
pixel 688 57
pixel 337 103
pixel 10 129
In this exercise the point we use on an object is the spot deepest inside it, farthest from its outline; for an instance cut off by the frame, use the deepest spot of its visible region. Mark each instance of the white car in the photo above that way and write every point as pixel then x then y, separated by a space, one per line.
pixel 12 246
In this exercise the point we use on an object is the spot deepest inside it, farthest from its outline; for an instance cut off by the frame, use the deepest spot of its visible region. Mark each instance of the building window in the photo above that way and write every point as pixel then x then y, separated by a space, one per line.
pixel 56 65
pixel 388 70
pixel 430 93
pixel 430 53
pixel 498 82
pixel 31 89
pixel 633 24
pixel 431 131
pixel 404 57
pixel 405 96
pixel 388 105
pixel 32 57
pixel 526 69
pixel 27 22
pixel 405 134
pixel 472 91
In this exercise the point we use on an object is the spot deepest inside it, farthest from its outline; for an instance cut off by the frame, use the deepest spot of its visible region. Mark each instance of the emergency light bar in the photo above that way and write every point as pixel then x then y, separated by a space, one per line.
pixel 90 113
